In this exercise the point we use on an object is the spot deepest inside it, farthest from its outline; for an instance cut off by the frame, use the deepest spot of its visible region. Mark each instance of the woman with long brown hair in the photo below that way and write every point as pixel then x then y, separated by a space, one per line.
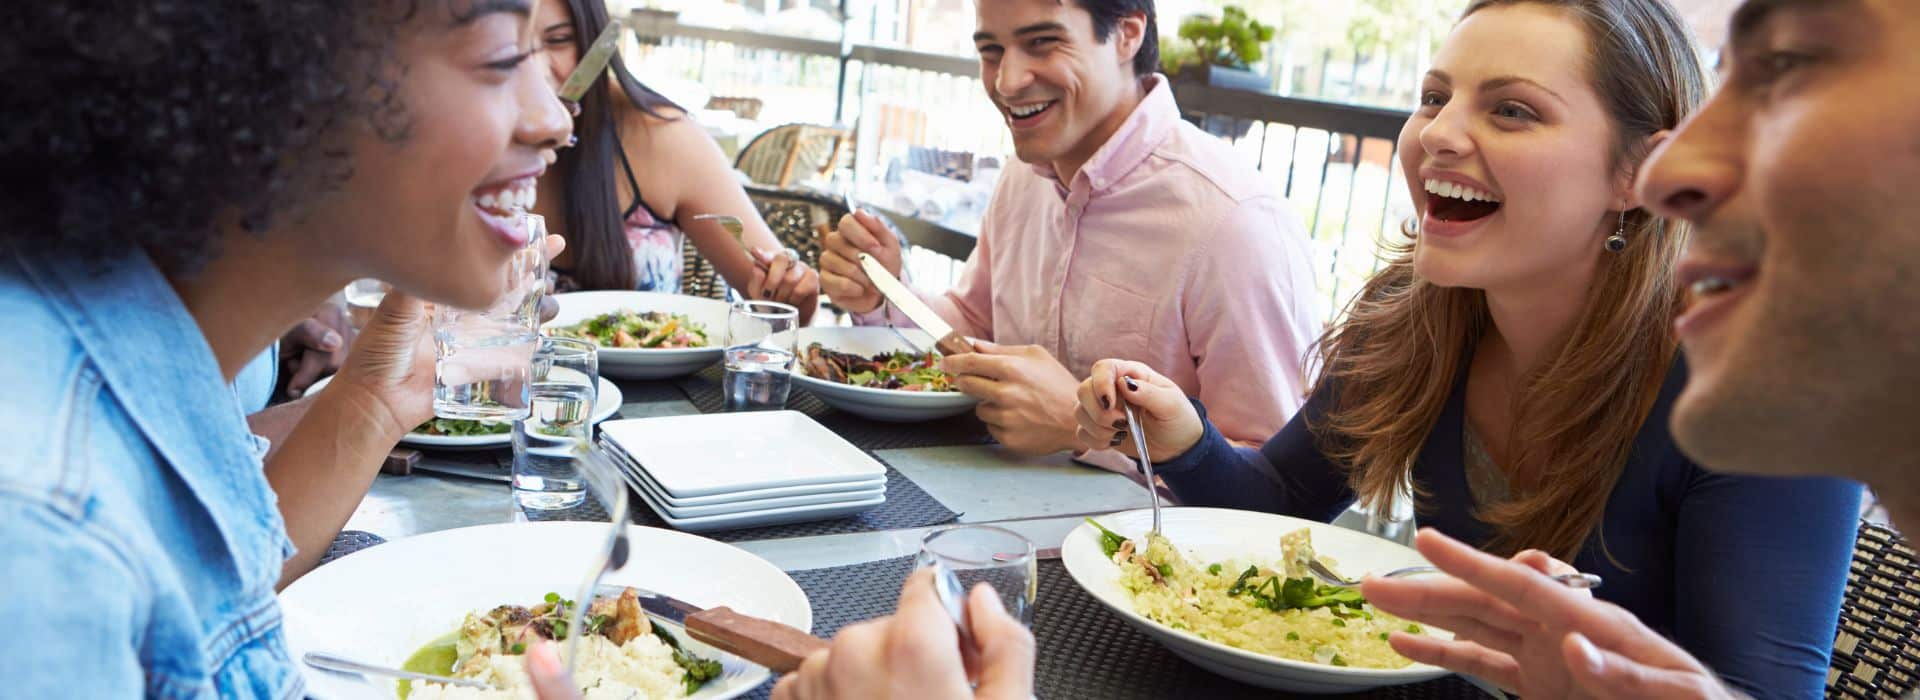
pixel 627 192
pixel 1512 366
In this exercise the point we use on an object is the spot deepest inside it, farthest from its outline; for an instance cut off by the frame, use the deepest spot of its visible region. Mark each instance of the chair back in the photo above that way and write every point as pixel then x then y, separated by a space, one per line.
pixel 794 154
pixel 1875 654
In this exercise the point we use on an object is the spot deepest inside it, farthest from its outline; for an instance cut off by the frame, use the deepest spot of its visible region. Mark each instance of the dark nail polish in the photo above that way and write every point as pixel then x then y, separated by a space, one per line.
pixel 1117 439
pixel 1132 386
pixel 1106 404
pixel 1120 425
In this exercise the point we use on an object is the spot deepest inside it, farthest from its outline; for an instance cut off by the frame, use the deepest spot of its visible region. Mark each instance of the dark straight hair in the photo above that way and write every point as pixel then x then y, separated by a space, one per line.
pixel 590 171
pixel 1107 14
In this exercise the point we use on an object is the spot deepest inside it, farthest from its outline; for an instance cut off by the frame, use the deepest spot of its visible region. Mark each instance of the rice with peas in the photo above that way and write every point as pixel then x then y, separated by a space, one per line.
pixel 1168 589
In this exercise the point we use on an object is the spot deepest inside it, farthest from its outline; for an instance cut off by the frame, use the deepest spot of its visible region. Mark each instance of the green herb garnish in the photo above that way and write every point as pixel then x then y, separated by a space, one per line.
pixel 1110 541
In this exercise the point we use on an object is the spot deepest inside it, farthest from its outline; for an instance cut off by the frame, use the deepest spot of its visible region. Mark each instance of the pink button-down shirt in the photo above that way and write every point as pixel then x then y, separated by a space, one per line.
pixel 1164 249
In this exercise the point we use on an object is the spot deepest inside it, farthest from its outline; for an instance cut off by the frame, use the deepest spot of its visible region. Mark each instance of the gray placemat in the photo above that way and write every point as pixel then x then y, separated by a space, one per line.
pixel 348 542
pixel 703 389
pixel 649 391
pixel 1085 650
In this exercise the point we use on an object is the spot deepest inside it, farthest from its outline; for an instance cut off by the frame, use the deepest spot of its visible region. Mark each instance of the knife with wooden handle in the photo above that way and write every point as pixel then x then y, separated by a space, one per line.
pixel 777 646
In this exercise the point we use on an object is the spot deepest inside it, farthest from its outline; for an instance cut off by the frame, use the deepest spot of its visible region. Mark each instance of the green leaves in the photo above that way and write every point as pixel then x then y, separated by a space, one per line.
pixel 1236 40
pixel 699 670
pixel 1297 594
pixel 1110 541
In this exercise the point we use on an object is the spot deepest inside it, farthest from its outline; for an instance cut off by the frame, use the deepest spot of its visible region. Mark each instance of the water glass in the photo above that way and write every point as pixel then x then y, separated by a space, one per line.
pixel 551 442
pixel 760 350
pixel 482 356
pixel 984 553
pixel 363 296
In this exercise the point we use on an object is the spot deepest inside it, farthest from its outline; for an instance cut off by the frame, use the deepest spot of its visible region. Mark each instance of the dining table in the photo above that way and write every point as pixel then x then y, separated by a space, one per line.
pixel 940 473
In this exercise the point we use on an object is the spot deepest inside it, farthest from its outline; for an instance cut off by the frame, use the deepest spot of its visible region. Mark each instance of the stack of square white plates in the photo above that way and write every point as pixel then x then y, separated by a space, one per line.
pixel 725 471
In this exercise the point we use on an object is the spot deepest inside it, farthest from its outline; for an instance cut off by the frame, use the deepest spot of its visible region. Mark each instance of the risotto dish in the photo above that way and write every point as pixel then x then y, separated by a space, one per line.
pixel 622 654
pixel 1281 612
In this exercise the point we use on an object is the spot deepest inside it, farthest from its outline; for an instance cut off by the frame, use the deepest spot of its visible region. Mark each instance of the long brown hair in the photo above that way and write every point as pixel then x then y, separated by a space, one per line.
pixel 1395 359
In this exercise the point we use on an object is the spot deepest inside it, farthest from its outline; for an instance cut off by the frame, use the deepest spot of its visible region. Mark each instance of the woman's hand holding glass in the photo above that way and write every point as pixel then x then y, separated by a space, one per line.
pixel 1167 419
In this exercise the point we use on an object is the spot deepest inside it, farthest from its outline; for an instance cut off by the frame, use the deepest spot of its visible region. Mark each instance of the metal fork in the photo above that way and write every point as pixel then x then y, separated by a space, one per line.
pixel 1146 461
pixel 1327 576
pixel 603 480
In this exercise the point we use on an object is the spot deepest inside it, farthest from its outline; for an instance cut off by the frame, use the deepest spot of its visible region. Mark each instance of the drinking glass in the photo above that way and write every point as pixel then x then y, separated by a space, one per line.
pixel 550 443
pixel 363 296
pixel 995 555
pixel 482 356
pixel 760 349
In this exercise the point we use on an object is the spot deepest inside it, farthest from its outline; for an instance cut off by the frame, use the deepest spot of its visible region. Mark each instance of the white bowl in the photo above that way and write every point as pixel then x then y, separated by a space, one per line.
pixel 1215 534
pixel 649 363
pixel 888 405
pixel 381 604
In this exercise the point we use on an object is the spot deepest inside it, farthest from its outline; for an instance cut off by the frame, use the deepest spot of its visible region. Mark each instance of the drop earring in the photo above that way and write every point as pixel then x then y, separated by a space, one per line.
pixel 1618 241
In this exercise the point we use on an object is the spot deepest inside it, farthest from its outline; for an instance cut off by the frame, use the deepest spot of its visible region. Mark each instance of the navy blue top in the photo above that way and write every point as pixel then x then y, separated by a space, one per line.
pixel 1744 572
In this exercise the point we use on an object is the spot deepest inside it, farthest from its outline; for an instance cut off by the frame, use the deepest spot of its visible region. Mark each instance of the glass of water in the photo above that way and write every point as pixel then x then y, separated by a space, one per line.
pixel 482 356
pixel 362 297
pixel 984 553
pixel 760 348
pixel 551 442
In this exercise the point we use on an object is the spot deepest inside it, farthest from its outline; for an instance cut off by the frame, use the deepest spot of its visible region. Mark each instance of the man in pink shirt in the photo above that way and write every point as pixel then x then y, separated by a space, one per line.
pixel 1131 233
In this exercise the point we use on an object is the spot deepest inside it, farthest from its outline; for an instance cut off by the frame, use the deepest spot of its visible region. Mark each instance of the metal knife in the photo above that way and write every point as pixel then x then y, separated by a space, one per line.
pixel 916 310
pixel 777 646
pixel 592 64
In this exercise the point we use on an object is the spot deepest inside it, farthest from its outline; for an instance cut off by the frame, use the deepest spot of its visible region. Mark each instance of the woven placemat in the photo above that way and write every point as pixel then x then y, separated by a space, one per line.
pixel 1085 650
pixel 704 390
pixel 348 542
pixel 649 390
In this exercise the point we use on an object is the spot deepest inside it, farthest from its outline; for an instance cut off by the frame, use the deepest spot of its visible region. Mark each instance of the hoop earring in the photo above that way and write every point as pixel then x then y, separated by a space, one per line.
pixel 1618 241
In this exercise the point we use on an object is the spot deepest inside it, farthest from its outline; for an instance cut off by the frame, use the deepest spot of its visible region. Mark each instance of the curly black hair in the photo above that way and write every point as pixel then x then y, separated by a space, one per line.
pixel 139 123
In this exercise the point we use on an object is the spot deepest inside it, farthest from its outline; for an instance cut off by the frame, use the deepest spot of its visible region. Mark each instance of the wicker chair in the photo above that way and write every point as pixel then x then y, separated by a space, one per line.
pixel 794 154
pixel 744 107
pixel 793 218
pixel 1877 651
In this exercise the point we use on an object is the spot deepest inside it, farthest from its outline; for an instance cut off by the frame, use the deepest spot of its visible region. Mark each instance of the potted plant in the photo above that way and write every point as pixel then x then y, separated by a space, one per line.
pixel 1219 52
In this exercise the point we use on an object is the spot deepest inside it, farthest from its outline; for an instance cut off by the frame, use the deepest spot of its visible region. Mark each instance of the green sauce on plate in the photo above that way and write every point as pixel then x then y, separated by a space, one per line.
pixel 436 657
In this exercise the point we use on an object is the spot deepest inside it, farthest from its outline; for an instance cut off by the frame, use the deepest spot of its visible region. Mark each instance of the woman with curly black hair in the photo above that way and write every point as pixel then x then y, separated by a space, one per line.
pixel 625 197
pixel 184 181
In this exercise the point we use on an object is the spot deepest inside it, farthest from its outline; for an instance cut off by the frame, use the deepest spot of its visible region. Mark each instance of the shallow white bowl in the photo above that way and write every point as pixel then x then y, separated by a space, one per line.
pixel 878 404
pixel 1215 534
pixel 381 604
pixel 633 363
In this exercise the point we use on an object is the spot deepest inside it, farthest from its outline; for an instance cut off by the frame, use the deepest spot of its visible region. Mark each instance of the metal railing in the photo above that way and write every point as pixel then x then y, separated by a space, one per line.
pixel 1335 163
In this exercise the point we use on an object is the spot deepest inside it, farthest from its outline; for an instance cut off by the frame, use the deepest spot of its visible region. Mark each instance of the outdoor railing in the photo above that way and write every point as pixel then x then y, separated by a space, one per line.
pixel 1335 163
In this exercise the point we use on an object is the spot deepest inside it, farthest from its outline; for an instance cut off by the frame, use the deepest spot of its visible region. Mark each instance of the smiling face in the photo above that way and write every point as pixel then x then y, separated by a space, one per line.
pixel 1804 342
pixel 431 203
pixel 562 45
pixel 1509 157
pixel 1062 91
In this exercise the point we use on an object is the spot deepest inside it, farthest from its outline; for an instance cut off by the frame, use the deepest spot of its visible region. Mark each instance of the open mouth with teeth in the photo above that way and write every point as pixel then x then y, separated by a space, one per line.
pixel 502 206
pixel 1451 201
pixel 1021 114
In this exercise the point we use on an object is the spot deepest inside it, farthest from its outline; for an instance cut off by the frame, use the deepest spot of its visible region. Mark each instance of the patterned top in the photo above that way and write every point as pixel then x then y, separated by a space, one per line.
pixel 655 242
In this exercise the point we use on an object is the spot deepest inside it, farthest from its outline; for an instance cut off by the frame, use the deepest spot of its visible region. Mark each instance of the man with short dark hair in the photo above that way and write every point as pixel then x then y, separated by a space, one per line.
pixel 1130 233
pixel 1802 339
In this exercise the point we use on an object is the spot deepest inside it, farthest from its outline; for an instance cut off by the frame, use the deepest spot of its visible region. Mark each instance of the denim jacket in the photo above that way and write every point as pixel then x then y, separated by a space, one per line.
pixel 139 538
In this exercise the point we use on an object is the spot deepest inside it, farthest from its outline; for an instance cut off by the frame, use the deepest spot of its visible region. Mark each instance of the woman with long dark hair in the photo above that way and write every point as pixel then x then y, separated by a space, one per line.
pixel 1512 367
pixel 625 196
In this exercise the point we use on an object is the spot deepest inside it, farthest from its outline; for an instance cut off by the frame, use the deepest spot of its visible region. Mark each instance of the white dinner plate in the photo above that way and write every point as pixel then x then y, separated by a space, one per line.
pixel 756 518
pixel 1216 534
pixel 835 501
pixel 715 453
pixel 889 405
pixel 607 401
pixel 832 490
pixel 648 363
pixel 381 604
